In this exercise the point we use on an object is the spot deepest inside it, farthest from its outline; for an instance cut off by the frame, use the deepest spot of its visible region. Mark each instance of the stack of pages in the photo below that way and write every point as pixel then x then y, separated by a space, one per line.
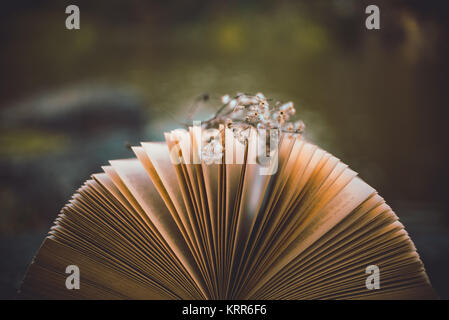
pixel 170 225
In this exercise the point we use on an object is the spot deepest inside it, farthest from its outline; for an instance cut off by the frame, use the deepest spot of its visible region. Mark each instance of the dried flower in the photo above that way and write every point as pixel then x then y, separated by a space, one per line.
pixel 280 117
pixel 225 99
pixel 260 96
pixel 264 116
pixel 252 116
pixel 241 133
pixel 212 152
pixel 232 104
pixel 263 106
pixel 299 126
pixel 288 108
pixel 289 127
pixel 245 111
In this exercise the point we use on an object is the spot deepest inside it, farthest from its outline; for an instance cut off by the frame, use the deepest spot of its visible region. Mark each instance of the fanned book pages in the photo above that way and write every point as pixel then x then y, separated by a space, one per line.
pixel 173 223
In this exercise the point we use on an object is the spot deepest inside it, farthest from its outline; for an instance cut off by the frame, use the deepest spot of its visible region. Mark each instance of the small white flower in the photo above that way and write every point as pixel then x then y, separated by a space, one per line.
pixel 288 108
pixel 261 126
pixel 265 116
pixel 241 134
pixel 239 107
pixel 263 106
pixel 280 117
pixel 225 99
pixel 253 107
pixel 289 127
pixel 260 96
pixel 232 104
pixel 212 152
pixel 299 126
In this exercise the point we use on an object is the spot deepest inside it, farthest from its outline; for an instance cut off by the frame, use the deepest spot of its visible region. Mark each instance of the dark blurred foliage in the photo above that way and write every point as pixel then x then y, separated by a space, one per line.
pixel 71 100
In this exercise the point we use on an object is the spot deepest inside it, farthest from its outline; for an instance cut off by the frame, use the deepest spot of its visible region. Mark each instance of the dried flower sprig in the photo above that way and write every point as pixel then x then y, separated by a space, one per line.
pixel 244 111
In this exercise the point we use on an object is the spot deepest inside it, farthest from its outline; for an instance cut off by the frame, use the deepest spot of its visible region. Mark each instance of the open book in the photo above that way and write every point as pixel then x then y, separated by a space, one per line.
pixel 170 225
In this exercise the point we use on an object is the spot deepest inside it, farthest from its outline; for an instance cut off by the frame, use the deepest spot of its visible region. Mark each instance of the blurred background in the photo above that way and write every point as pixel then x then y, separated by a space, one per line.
pixel 72 99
